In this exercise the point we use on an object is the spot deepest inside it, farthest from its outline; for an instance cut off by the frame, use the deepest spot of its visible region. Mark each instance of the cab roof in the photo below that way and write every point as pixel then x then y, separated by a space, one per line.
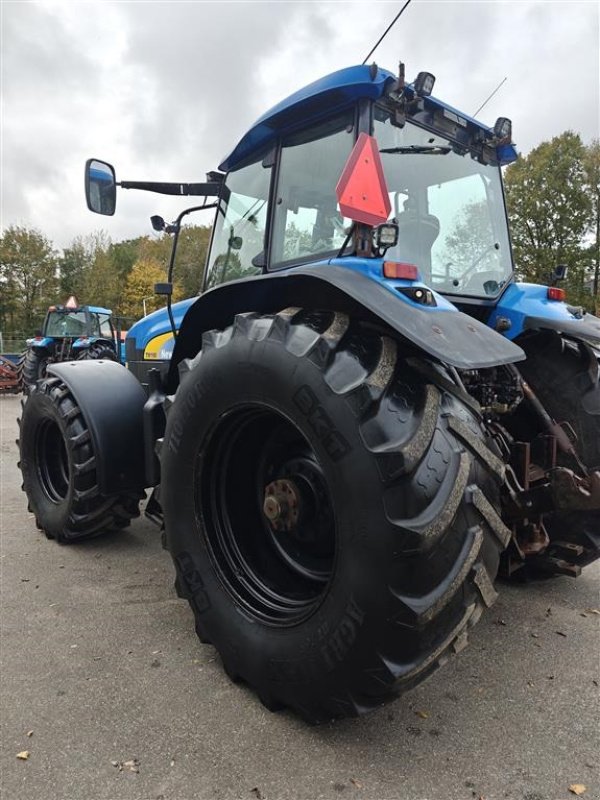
pixel 327 95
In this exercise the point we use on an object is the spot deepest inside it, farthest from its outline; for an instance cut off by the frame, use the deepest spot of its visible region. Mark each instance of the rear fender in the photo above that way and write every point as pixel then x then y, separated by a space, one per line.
pixel 111 401
pixel 444 334
pixel 525 306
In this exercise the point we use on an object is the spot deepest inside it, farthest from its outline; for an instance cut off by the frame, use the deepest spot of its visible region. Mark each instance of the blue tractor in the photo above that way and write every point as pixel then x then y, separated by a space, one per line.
pixel 70 331
pixel 360 421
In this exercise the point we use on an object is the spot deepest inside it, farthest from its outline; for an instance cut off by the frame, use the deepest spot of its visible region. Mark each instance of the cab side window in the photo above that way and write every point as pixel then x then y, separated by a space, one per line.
pixel 238 244
pixel 307 219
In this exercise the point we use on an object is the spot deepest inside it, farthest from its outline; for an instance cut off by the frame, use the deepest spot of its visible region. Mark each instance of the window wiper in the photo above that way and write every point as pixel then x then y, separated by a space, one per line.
pixel 429 149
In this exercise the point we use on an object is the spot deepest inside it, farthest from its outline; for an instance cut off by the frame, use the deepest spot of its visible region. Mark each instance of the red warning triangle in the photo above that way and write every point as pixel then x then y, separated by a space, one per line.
pixel 361 191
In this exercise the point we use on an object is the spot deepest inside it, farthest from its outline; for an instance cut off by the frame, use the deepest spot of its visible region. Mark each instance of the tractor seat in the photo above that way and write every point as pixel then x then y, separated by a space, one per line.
pixel 416 236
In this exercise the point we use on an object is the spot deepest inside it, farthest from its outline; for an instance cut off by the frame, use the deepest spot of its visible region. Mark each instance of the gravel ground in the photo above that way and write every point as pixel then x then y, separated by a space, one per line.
pixel 101 666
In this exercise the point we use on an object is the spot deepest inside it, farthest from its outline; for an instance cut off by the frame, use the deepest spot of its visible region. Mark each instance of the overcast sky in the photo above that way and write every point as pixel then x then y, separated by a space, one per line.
pixel 163 90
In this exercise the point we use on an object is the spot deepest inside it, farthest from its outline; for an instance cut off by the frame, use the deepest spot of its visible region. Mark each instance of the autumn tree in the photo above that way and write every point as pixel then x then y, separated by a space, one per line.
pixel 550 206
pixel 28 278
pixel 139 293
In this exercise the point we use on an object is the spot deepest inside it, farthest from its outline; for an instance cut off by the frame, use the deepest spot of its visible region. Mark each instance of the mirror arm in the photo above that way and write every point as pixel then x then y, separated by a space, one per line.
pixel 211 189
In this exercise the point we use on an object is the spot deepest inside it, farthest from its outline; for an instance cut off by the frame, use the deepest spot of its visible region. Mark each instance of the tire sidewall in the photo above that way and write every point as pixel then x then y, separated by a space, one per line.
pixel 296 389
pixel 38 411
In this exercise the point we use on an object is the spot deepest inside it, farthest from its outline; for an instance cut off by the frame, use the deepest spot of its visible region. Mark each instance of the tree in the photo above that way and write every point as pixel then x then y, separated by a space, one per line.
pixel 101 284
pixel 73 265
pixel 139 288
pixel 591 166
pixel 28 277
pixel 471 239
pixel 549 206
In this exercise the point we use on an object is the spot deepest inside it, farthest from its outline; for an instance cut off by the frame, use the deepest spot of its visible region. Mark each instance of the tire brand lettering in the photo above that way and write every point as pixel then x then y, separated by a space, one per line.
pixel 193 581
pixel 344 636
pixel 321 423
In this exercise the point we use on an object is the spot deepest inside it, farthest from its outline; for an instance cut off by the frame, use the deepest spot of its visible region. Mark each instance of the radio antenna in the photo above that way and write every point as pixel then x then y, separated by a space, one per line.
pixel 387 30
pixel 490 97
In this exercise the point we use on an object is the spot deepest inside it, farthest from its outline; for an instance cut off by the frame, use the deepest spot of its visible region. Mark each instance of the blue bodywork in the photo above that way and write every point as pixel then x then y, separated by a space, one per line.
pixel 523 300
pixel 157 323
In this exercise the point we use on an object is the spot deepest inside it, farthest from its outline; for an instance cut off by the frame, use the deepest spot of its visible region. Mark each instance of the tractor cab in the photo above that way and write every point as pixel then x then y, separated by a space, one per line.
pixel 78 322
pixel 70 332
pixel 436 175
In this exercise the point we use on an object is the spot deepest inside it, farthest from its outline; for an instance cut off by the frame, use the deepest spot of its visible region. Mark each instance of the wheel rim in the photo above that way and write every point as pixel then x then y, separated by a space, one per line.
pixel 269 520
pixel 52 461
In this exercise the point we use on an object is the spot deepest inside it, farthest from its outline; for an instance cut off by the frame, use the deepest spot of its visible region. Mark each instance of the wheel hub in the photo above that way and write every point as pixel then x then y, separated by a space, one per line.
pixel 281 505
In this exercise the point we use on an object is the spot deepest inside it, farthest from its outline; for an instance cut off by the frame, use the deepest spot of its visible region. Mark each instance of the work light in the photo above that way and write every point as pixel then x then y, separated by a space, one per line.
pixel 503 128
pixel 424 84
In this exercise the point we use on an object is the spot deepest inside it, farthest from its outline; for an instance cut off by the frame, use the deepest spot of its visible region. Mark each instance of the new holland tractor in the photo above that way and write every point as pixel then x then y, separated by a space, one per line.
pixel 360 421
pixel 70 331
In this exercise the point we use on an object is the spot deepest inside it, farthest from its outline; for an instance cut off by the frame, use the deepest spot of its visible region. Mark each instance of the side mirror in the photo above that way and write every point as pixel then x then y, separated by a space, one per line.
pixel 100 187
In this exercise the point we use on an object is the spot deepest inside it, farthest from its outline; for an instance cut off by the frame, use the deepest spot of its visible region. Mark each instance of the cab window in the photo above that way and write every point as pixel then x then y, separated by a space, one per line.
pixel 307 220
pixel 105 326
pixel 238 245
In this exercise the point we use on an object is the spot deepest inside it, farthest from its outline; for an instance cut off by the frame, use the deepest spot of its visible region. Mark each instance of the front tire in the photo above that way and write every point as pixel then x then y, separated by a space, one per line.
pixel 32 368
pixel 332 517
pixel 58 464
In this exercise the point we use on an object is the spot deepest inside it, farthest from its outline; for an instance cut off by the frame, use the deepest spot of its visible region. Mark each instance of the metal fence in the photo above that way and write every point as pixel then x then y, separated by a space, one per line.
pixel 14 344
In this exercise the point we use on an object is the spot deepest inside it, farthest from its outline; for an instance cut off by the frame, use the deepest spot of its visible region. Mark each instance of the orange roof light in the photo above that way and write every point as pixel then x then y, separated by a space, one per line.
pixel 554 293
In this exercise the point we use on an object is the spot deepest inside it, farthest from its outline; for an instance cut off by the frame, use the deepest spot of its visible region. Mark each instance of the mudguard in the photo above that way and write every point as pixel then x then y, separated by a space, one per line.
pixel 111 401
pixel 587 327
pixel 525 306
pixel 444 334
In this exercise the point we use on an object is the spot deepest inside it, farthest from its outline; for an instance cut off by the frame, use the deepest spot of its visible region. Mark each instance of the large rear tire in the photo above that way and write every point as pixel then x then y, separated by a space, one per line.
pixel 565 376
pixel 332 516
pixel 58 464
pixel 98 350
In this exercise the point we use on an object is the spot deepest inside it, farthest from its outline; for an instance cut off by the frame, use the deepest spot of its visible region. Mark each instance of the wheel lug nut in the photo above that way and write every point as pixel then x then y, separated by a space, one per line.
pixel 271 508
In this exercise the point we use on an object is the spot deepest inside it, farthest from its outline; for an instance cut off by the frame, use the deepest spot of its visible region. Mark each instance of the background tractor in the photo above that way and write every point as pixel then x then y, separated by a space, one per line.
pixel 349 440
pixel 70 332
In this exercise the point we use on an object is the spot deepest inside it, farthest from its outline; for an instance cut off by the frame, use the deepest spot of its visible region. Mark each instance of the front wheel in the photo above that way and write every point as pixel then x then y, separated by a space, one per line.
pixel 332 517
pixel 58 464
pixel 32 368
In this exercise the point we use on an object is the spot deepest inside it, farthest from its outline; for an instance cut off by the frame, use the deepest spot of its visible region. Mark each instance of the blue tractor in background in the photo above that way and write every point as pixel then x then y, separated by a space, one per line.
pixel 70 331
pixel 360 421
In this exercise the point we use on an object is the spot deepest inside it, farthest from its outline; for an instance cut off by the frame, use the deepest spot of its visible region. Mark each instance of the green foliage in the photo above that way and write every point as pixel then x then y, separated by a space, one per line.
pixel 591 166
pixel 470 239
pixel 116 275
pixel 28 278
pixel 550 204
